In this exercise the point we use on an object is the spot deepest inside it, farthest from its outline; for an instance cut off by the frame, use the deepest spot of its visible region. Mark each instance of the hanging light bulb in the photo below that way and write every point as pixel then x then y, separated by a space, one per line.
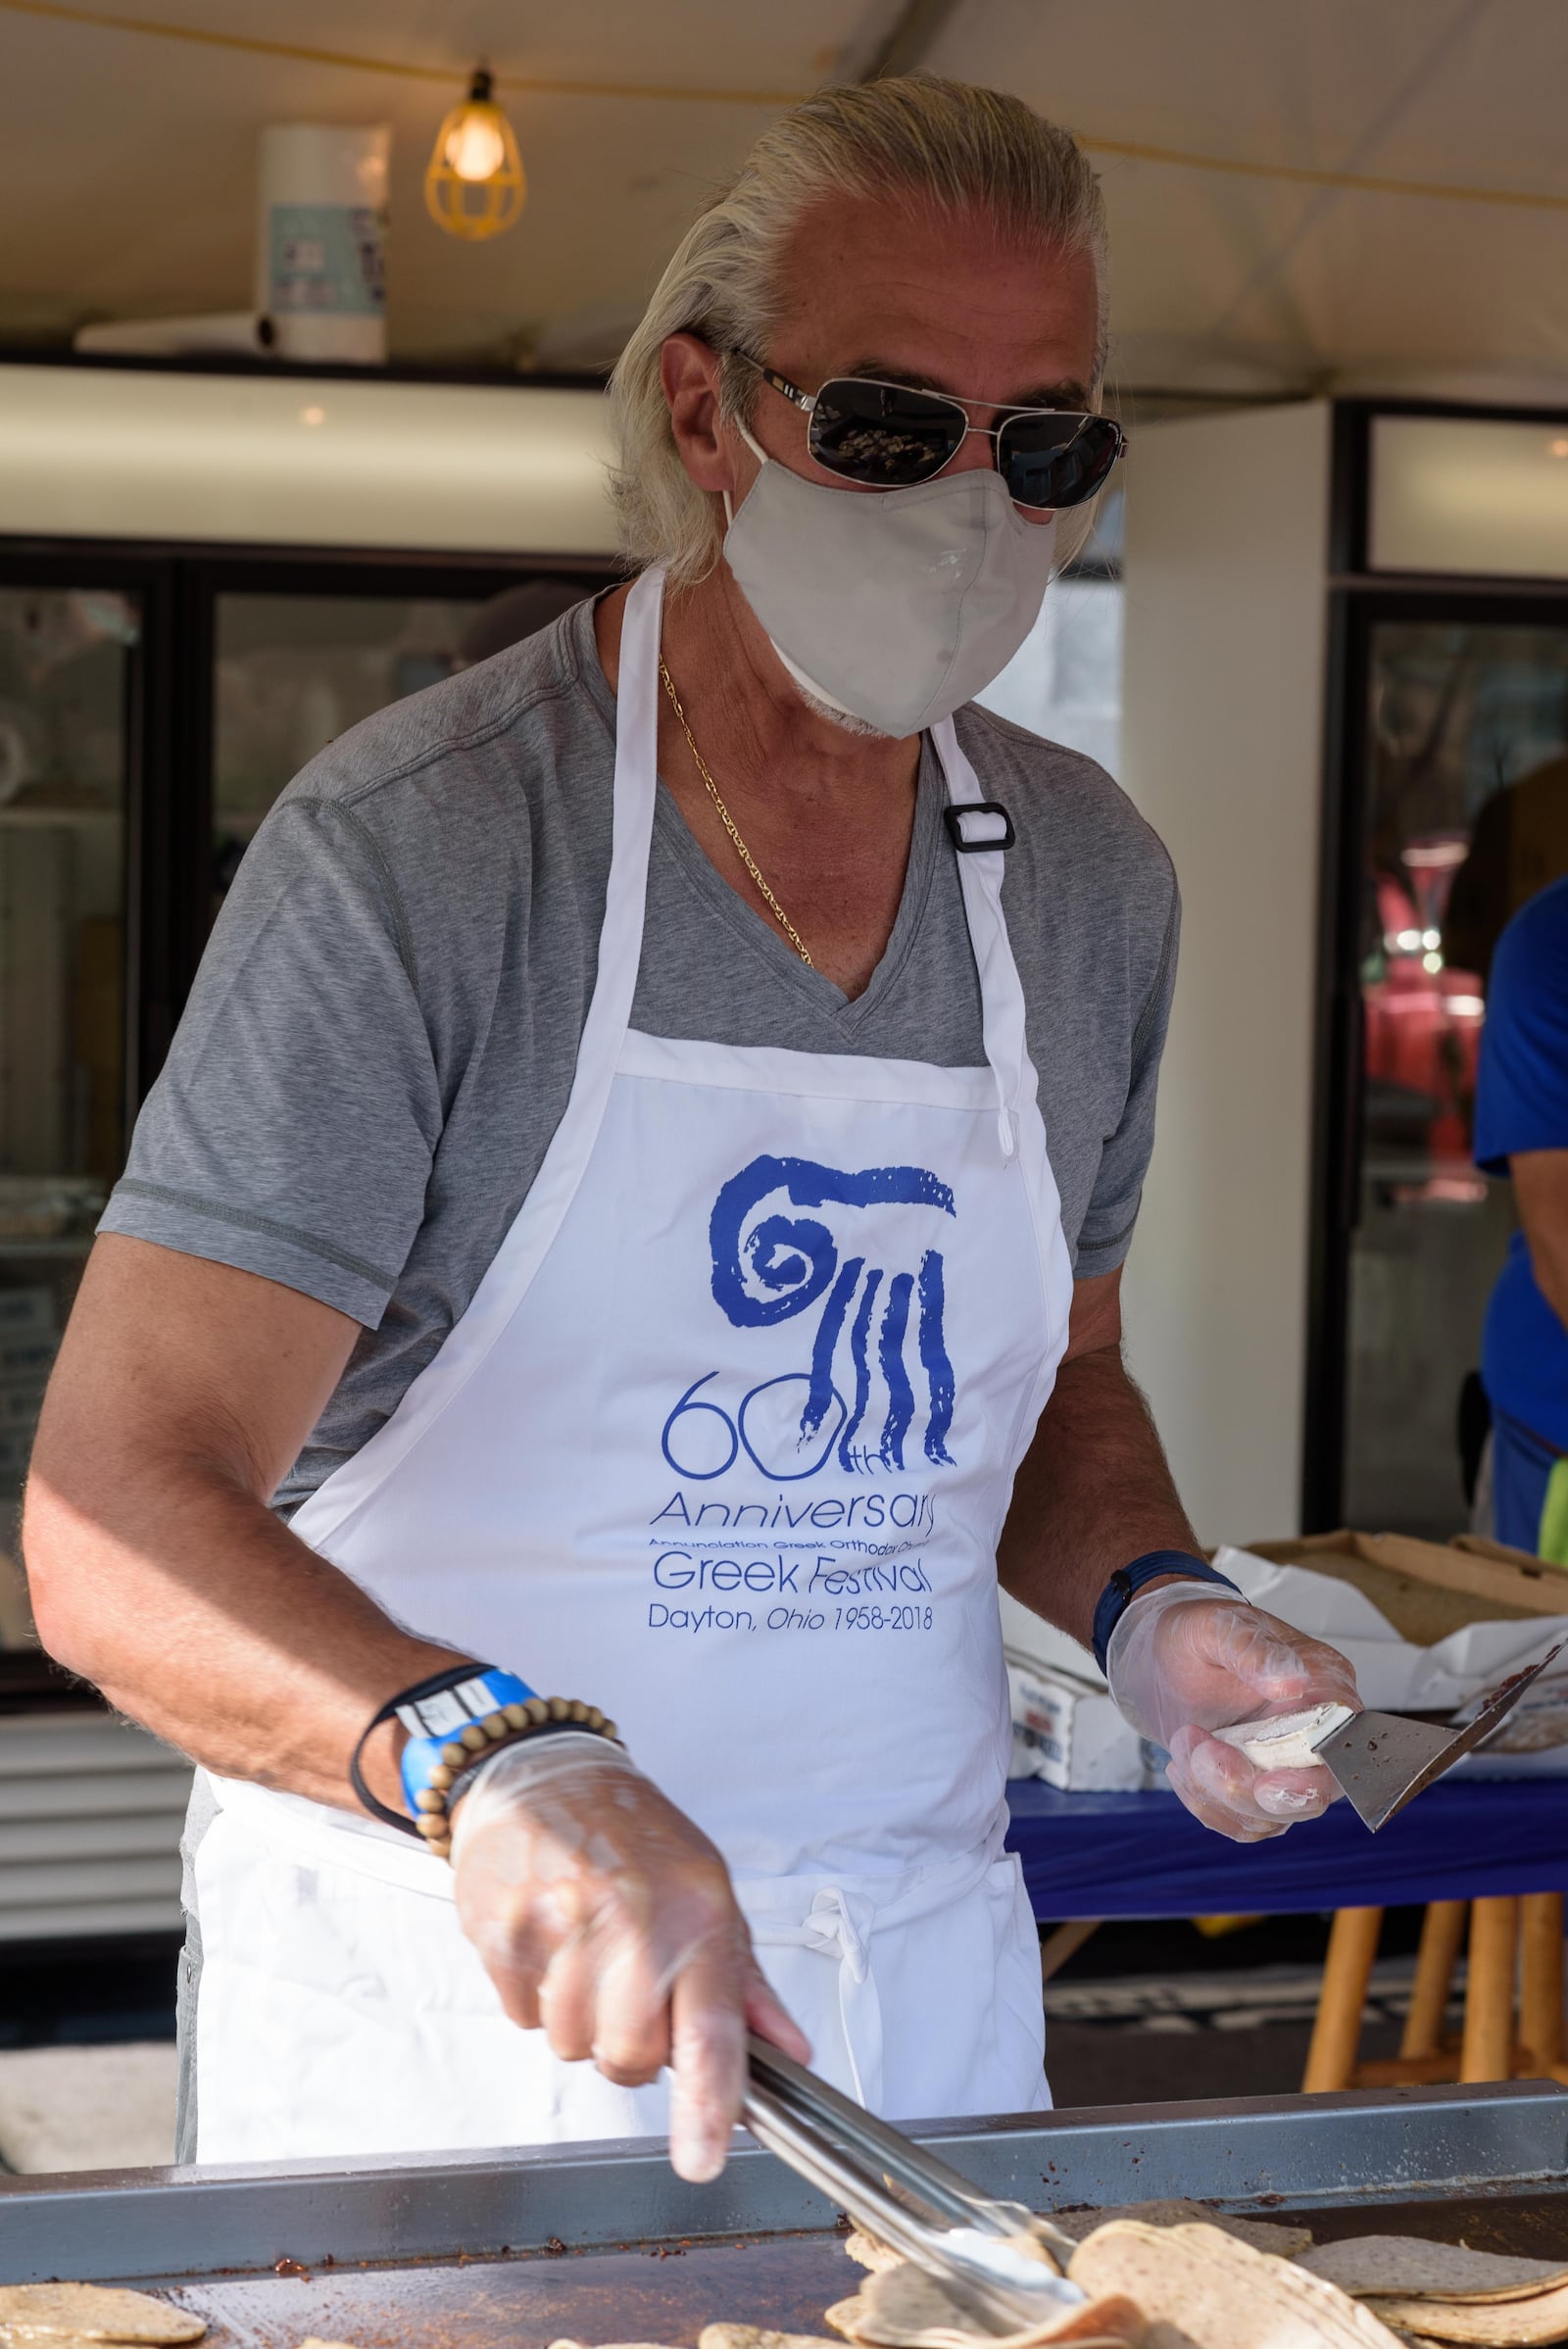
pixel 474 183
pixel 476 150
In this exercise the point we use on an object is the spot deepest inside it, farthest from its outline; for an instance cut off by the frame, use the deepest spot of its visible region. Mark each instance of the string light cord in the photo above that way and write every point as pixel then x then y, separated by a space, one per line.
pixel 348 61
pixel 518 79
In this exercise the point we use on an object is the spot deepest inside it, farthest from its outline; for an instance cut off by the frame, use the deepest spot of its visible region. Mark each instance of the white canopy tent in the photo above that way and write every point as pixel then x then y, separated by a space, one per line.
pixel 1305 195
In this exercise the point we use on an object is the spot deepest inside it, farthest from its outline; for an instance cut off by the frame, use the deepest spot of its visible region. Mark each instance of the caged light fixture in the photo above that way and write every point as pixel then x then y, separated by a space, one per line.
pixel 474 183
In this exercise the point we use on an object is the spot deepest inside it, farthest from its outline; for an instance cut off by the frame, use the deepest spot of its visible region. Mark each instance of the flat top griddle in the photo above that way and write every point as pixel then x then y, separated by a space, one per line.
pixel 604 2243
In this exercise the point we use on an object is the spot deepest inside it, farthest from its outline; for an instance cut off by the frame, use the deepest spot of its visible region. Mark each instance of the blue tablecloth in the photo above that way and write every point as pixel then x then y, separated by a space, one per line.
pixel 1142 1855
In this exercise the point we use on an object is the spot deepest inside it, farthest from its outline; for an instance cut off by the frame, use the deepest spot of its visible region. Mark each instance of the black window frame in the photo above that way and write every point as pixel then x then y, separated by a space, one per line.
pixel 1360 599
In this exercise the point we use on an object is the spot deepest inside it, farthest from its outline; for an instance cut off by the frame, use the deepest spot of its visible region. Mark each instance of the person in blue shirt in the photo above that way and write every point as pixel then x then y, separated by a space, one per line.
pixel 1522 1130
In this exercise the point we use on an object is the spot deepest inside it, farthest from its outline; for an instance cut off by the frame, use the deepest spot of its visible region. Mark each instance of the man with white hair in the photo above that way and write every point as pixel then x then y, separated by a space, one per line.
pixel 625 1250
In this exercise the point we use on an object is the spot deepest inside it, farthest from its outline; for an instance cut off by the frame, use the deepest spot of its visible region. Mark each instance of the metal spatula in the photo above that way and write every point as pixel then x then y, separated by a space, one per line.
pixel 1385 1760
pixel 908 2198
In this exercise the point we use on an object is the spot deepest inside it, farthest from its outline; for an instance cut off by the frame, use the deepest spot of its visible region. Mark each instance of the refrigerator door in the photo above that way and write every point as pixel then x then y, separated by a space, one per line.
pixel 66 659
pixel 1466 818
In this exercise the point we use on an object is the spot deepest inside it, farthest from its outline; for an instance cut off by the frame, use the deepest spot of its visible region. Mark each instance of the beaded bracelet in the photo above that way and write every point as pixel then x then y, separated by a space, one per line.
pixel 454 1721
pixel 448 1777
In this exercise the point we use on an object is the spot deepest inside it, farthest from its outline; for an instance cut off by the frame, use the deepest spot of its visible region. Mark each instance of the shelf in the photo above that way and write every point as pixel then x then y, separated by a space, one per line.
pixel 1416 1166
pixel 33 814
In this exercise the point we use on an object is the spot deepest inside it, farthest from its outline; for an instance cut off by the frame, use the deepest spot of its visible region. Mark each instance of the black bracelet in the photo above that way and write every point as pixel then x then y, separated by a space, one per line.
pixel 1127 1581
pixel 456 1720
pixel 436 1686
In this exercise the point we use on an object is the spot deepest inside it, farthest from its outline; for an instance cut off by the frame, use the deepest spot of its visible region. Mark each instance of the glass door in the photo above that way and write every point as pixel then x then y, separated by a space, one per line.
pixel 66 664
pixel 296 668
pixel 1465 794
pixel 120 706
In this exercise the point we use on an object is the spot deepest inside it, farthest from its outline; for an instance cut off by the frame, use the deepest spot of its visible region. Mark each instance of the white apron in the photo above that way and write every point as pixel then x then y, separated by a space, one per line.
pixel 723 1444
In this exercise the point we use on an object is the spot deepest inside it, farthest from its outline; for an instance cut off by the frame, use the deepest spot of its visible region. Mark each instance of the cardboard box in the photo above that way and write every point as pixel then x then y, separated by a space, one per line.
pixel 1429 1589
pixel 1071 1734
pixel 1030 1638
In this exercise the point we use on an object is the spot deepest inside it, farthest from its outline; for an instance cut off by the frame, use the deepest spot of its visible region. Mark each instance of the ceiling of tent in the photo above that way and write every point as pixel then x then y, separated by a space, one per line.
pixel 1304 194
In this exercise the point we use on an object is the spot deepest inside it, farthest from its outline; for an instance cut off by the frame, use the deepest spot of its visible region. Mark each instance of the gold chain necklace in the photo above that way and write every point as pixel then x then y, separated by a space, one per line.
pixel 730 826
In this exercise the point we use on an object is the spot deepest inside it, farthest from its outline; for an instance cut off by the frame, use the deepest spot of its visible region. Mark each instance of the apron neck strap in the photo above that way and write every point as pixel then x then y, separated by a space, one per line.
pixel 1001 1000
pixel 620 942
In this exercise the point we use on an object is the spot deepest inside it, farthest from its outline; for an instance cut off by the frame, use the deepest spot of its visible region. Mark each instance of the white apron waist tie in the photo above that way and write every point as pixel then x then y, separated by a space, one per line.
pixel 839 1920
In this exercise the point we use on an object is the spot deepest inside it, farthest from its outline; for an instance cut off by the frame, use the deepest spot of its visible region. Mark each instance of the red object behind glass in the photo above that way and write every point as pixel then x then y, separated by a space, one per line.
pixel 1422 1019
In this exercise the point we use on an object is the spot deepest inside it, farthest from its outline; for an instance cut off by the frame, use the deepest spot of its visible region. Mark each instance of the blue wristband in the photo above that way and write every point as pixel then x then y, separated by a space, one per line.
pixel 1127 1581
pixel 451 1716
pixel 436 1712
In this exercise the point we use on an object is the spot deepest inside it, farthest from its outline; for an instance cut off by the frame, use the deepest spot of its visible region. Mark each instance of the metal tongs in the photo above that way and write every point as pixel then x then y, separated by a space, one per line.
pixel 906 2198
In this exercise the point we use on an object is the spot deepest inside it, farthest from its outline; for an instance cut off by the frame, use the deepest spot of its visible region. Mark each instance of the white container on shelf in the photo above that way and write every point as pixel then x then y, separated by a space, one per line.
pixel 1066 1728
pixel 1072 1736
pixel 321 240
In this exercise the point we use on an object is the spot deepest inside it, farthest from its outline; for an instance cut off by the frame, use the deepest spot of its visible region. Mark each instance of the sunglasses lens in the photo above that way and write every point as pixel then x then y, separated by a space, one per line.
pixel 882 434
pixel 1057 461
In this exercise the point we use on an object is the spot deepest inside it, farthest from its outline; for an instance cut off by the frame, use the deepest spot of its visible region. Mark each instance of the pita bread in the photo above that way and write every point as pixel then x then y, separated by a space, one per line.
pixel 1492 2324
pixel 1404 2268
pixel 754 2336
pixel 1201 2288
pixel 1286 1741
pixel 1264 2234
pixel 904 2308
pixel 867 2252
pixel 91 2312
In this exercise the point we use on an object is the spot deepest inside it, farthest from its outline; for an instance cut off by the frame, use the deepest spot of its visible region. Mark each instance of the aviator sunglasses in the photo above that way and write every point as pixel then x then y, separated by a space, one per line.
pixel 892 437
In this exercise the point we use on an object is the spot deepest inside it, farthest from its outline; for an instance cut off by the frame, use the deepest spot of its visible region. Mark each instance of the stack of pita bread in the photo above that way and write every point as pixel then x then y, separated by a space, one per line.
pixel 1444 2292
pixel 1176 2276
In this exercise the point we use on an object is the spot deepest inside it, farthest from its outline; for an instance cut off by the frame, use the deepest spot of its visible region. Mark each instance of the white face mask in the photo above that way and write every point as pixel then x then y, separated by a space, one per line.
pixel 893 605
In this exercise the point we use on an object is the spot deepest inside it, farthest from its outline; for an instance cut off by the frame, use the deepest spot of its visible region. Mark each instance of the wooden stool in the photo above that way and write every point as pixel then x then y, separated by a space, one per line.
pixel 1508 1935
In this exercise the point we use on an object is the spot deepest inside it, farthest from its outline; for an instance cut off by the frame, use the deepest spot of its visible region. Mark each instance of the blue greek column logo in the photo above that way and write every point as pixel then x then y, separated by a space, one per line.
pixel 773 1260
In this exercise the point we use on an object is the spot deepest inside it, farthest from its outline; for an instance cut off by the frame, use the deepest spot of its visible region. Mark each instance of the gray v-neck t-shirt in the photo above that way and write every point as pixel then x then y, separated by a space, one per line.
pixel 381 1039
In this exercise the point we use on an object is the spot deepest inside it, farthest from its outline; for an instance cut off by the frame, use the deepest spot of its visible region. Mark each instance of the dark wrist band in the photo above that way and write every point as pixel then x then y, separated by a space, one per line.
pixel 1127 1581
pixel 455 1720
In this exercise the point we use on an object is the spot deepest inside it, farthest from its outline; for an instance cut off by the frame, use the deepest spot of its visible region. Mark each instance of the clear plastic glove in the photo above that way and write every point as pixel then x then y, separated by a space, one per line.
pixel 1187 1659
pixel 605 1917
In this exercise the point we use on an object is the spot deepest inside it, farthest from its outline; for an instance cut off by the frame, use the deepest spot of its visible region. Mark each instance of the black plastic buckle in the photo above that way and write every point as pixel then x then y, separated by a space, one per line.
pixel 954 817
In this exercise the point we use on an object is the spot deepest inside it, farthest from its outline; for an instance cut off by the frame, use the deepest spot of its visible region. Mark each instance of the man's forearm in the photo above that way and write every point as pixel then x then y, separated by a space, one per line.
pixel 182 1392
pixel 1094 1492
pixel 219 1631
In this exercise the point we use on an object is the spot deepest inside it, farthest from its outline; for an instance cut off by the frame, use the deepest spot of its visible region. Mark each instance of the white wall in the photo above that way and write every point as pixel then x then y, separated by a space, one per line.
pixel 1225 570
pixel 1065 681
